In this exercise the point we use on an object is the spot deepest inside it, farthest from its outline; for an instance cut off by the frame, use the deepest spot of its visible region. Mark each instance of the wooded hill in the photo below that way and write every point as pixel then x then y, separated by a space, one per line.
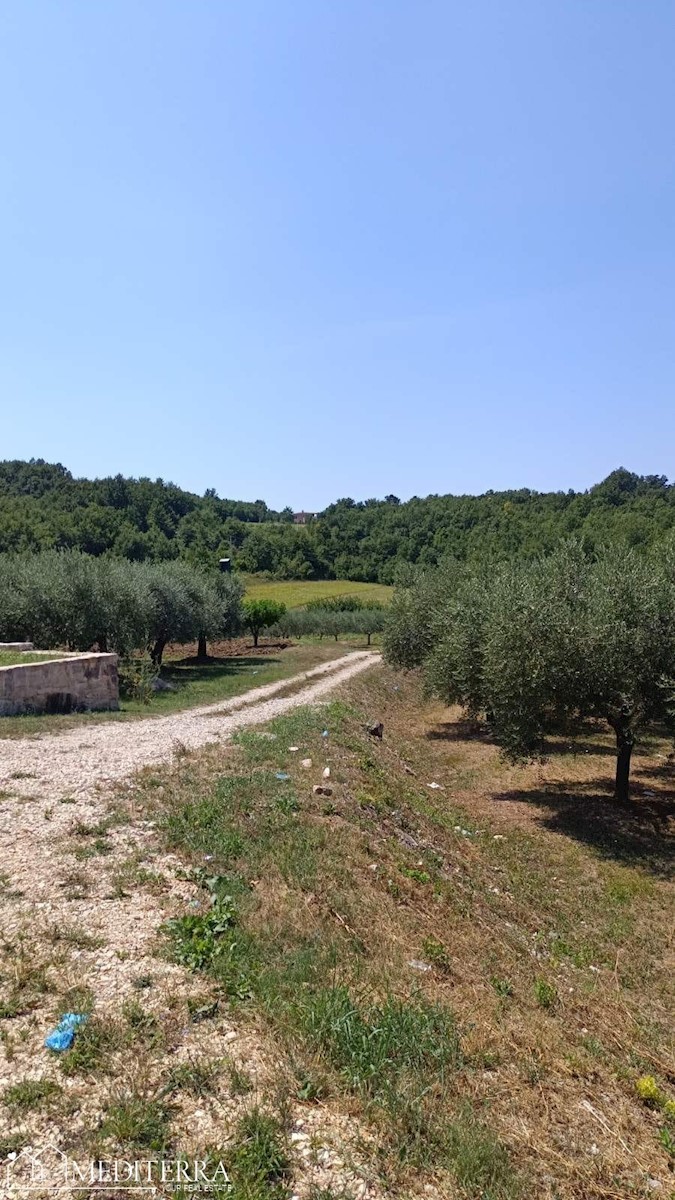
pixel 42 506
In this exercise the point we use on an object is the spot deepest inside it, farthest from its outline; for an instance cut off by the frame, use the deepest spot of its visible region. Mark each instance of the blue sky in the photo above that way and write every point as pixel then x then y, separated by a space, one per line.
pixel 302 249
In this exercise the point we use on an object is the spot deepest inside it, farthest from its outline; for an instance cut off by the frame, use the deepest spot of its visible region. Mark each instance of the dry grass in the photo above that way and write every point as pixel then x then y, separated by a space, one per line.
pixel 520 899
pixel 456 989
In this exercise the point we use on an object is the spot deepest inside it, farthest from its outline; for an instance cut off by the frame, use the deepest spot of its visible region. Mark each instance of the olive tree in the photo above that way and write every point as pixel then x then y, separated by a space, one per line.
pixel 539 646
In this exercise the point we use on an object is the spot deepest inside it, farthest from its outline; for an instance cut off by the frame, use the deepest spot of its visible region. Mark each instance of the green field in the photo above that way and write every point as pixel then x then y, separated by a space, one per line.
pixel 296 593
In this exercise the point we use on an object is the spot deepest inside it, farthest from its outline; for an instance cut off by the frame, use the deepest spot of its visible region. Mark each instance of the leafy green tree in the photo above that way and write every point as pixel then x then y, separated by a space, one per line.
pixel 260 614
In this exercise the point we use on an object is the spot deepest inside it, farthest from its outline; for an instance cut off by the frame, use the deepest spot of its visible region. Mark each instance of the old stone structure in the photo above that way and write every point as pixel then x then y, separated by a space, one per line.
pixel 76 681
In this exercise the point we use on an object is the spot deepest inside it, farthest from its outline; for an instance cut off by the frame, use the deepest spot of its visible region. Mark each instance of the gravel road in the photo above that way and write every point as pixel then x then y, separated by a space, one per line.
pixel 74 763
pixel 68 917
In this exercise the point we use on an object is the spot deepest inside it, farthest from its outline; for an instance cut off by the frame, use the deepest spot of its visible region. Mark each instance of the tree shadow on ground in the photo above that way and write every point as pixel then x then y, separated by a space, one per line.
pixel 185 671
pixel 463 730
pixel 639 834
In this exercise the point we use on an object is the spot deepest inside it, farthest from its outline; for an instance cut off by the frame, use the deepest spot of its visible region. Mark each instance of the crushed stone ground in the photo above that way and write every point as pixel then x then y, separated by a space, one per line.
pixel 49 784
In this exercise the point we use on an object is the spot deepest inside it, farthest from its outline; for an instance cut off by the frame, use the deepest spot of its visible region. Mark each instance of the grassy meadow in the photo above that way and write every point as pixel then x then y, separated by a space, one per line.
pixel 478 972
pixel 297 593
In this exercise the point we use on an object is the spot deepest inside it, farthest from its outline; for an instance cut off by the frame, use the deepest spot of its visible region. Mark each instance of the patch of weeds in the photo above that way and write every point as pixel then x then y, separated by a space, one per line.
pixel 76 884
pixel 95 1043
pixel 200 938
pixel 416 874
pixel 27 989
pixel 78 999
pixel 310 1089
pixel 10 1144
pixel 287 803
pixel 30 1094
pixel 653 1096
pixel 141 982
pixel 199 1077
pixel 667 1140
pixel 240 1082
pixel 503 987
pixel 381 1050
pixel 142 1026
pixel 436 953
pixel 202 1008
pixel 100 846
pixel 138 1122
pixel 6 890
pixel 259 1164
pixel 625 884
pixel 545 993
pixel 72 936
pixel 479 1162
pixel 130 876
pixel 208 941
pixel 23 775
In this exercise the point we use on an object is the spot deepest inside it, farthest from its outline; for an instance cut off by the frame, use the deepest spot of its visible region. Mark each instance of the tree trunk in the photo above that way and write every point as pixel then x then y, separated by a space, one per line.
pixel 368 639
pixel 157 651
pixel 256 634
pixel 102 644
pixel 624 749
pixel 202 651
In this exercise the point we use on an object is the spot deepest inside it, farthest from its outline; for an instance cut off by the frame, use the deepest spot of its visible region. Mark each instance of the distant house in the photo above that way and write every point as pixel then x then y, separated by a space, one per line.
pixel 303 518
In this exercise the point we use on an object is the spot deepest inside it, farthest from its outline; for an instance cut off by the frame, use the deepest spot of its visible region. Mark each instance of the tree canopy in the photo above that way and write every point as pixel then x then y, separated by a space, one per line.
pixel 43 507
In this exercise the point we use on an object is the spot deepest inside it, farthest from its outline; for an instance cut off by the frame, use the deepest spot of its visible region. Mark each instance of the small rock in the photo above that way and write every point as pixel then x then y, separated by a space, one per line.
pixel 231 1036
pixel 161 685
pixel 293 749
pixel 326 772
pixel 376 730
pixel 306 763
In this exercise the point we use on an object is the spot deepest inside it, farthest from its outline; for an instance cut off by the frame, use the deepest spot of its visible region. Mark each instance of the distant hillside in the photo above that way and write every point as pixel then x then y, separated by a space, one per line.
pixel 42 505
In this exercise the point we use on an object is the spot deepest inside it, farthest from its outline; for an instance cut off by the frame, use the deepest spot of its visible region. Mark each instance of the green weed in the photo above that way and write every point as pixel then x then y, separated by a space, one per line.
pixel 29 1094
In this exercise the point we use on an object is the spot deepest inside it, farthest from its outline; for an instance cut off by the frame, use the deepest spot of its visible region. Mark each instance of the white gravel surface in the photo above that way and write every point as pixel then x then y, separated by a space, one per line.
pixel 73 763
pixel 67 914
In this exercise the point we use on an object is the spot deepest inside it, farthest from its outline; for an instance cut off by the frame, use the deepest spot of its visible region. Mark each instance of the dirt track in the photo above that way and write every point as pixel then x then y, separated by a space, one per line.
pixel 73 763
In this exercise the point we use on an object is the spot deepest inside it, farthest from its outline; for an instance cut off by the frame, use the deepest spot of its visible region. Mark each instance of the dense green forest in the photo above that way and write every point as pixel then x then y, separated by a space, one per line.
pixel 42 507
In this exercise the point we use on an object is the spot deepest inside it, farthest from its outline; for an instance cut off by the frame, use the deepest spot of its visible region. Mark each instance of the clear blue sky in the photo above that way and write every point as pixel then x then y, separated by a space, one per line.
pixel 302 249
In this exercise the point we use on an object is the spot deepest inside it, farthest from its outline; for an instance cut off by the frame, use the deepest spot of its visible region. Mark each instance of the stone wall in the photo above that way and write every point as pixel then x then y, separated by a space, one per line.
pixel 81 681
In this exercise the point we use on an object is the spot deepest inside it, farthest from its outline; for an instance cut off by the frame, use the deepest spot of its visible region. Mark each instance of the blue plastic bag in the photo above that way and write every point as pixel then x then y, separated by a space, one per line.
pixel 282 775
pixel 63 1036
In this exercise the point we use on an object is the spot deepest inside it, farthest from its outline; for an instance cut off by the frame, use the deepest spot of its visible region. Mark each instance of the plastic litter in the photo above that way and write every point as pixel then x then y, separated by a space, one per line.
pixel 435 786
pixel 293 749
pixel 319 790
pixel 376 730
pixel 63 1036
pixel 325 733
pixel 418 965
pixel 282 775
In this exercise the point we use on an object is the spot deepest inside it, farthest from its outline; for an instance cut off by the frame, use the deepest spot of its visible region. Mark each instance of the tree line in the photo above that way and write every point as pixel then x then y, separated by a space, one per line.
pixel 43 507
pixel 537 647
pixel 66 598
